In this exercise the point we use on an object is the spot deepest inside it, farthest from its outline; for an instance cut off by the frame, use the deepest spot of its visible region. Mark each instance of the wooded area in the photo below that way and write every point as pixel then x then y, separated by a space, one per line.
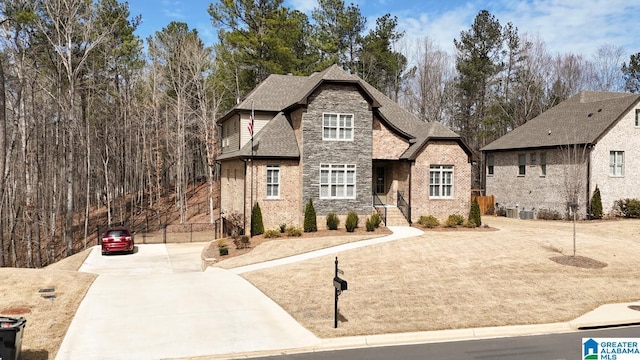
pixel 98 126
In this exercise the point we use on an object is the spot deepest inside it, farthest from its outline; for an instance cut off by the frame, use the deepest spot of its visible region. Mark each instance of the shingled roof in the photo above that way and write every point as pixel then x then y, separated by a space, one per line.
pixel 581 119
pixel 276 139
pixel 281 93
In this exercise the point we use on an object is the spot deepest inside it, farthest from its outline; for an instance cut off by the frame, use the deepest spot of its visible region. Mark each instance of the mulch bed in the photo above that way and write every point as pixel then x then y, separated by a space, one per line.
pixel 579 261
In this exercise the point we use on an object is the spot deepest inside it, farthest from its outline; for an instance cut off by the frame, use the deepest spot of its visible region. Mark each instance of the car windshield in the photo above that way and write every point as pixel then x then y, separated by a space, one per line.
pixel 117 233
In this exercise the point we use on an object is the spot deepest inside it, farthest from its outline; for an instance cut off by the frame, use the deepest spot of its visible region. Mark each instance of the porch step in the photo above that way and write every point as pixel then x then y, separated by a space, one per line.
pixel 395 217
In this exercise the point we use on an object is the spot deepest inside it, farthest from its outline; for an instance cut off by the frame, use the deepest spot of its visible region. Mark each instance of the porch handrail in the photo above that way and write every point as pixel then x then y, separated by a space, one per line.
pixel 404 207
pixel 380 208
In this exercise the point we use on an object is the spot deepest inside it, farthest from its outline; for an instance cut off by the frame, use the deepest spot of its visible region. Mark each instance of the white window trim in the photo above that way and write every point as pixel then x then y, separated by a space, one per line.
pixel 275 168
pixel 441 169
pixel 613 166
pixel 338 128
pixel 335 168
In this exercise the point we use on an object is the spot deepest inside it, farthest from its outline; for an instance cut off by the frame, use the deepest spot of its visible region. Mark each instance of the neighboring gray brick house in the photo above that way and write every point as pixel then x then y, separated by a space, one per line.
pixel 335 139
pixel 589 140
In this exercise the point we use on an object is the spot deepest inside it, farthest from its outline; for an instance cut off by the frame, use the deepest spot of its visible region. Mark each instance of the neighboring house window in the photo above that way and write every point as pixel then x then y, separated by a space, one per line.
pixel 337 181
pixel 337 127
pixel 490 161
pixel 543 164
pixel 534 159
pixel 273 181
pixel 441 181
pixel 616 163
pixel 522 162
pixel 637 117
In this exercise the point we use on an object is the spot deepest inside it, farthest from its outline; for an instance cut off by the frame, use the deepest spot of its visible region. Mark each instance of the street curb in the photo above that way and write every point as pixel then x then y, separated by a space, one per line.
pixel 412 338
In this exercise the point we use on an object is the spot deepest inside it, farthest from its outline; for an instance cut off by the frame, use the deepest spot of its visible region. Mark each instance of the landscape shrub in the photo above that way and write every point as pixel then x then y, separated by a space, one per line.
pixel 629 208
pixel 596 205
pixel 293 231
pixel 376 220
pixel 352 221
pixel 310 224
pixel 454 220
pixel 429 221
pixel 333 221
pixel 283 227
pixel 547 214
pixel 257 227
pixel 235 221
pixel 242 243
pixel 474 213
pixel 370 224
pixel 469 224
pixel 272 233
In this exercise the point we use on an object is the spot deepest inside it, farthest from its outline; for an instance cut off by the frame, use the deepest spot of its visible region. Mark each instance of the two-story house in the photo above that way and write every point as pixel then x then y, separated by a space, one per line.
pixel 335 139
pixel 558 158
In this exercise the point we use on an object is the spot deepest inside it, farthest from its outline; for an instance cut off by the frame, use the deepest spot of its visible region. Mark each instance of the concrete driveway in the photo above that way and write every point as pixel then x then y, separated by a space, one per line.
pixel 157 304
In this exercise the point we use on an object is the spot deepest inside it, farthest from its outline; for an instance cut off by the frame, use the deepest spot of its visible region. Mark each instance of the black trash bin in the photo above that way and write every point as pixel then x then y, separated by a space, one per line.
pixel 11 337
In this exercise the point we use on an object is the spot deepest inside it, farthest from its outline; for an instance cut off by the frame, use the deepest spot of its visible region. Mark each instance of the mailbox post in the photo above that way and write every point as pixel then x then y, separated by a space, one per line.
pixel 340 285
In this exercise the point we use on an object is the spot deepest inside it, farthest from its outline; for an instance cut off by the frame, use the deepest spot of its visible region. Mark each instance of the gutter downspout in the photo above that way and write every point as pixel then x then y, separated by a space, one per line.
pixel 410 194
pixel 588 209
pixel 244 197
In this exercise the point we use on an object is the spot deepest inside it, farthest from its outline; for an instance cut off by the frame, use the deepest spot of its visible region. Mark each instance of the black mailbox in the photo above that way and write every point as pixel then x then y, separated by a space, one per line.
pixel 340 284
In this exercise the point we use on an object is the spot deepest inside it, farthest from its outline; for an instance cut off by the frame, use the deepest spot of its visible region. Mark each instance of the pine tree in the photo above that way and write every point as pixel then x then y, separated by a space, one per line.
pixel 257 227
pixel 310 224
pixel 596 205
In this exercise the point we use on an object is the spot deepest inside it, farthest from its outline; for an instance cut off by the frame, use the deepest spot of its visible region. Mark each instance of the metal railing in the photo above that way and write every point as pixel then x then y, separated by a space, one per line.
pixel 404 207
pixel 380 208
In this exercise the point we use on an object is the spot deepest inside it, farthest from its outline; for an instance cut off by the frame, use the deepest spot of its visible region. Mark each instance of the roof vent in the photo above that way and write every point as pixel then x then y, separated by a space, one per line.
pixel 599 110
pixel 590 115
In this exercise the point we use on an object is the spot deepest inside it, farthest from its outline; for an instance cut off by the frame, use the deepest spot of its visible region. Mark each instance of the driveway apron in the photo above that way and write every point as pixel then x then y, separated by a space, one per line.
pixel 156 304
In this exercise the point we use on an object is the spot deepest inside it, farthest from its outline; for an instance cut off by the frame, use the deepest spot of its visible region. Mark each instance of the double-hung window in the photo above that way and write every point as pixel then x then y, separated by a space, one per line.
pixel 337 181
pixel 441 181
pixel 337 127
pixel 616 163
pixel 490 164
pixel 273 181
pixel 522 164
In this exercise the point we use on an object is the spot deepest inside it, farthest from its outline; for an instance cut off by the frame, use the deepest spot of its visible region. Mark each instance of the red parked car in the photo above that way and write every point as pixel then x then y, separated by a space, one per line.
pixel 117 240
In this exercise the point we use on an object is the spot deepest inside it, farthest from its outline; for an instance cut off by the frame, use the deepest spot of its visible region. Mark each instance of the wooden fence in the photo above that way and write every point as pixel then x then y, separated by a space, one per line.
pixel 486 204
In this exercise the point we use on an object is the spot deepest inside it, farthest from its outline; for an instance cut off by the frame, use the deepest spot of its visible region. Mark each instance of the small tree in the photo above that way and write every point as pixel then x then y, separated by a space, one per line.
pixel 596 205
pixel 352 221
pixel 310 224
pixel 474 213
pixel 257 227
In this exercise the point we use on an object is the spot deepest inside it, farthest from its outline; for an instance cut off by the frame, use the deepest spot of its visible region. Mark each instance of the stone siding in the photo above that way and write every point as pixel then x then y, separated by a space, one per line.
pixel 343 99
